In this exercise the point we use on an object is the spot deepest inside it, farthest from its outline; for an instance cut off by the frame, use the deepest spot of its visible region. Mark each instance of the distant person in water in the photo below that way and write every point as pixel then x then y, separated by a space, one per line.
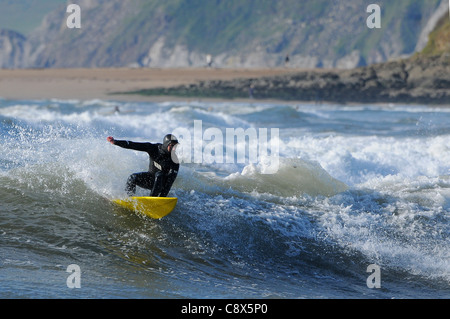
pixel 163 168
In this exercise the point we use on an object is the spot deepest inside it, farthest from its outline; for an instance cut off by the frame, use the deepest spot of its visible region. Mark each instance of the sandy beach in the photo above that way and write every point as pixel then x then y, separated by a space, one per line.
pixel 85 84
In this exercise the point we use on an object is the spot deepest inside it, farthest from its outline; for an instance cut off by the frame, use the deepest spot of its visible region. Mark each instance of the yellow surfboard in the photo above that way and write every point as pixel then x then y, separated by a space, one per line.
pixel 154 207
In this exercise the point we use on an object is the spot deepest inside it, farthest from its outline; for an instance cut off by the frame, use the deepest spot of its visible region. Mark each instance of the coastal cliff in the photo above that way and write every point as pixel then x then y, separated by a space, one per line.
pixel 226 34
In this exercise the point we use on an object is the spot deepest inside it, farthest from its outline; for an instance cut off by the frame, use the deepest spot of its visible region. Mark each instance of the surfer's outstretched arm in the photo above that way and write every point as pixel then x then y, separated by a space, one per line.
pixel 144 147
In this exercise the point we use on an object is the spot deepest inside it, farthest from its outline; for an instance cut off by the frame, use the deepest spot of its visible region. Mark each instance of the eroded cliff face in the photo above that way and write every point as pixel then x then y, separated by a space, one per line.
pixel 251 33
pixel 14 49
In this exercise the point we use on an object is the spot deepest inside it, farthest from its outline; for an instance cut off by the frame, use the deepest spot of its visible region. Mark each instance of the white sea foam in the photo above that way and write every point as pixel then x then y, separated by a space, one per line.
pixel 369 179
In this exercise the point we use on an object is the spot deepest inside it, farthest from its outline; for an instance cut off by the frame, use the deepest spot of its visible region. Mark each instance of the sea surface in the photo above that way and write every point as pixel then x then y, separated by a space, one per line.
pixel 358 207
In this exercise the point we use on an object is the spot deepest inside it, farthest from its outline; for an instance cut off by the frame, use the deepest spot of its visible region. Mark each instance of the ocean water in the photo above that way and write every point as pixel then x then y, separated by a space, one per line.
pixel 355 186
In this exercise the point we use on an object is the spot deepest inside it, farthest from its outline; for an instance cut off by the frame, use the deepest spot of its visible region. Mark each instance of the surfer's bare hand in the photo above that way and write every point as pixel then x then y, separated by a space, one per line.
pixel 110 139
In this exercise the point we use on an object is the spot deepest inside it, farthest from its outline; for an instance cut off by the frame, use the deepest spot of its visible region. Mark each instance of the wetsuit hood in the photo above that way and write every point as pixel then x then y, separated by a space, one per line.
pixel 168 139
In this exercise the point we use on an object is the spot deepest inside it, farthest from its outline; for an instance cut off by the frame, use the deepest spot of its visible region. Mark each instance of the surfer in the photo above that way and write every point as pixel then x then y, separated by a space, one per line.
pixel 162 170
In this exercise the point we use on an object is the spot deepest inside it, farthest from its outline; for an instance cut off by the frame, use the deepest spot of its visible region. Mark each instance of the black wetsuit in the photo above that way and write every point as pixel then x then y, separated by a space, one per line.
pixel 162 170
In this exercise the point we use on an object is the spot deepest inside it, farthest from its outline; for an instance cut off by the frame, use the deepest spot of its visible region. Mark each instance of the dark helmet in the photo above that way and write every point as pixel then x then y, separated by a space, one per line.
pixel 169 139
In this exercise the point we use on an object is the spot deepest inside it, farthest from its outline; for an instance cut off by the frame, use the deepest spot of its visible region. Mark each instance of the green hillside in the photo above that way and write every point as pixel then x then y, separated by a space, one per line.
pixel 218 26
pixel 284 26
pixel 439 39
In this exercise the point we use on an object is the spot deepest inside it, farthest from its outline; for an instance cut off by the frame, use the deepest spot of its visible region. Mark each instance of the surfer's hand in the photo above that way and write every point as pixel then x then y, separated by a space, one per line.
pixel 110 139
